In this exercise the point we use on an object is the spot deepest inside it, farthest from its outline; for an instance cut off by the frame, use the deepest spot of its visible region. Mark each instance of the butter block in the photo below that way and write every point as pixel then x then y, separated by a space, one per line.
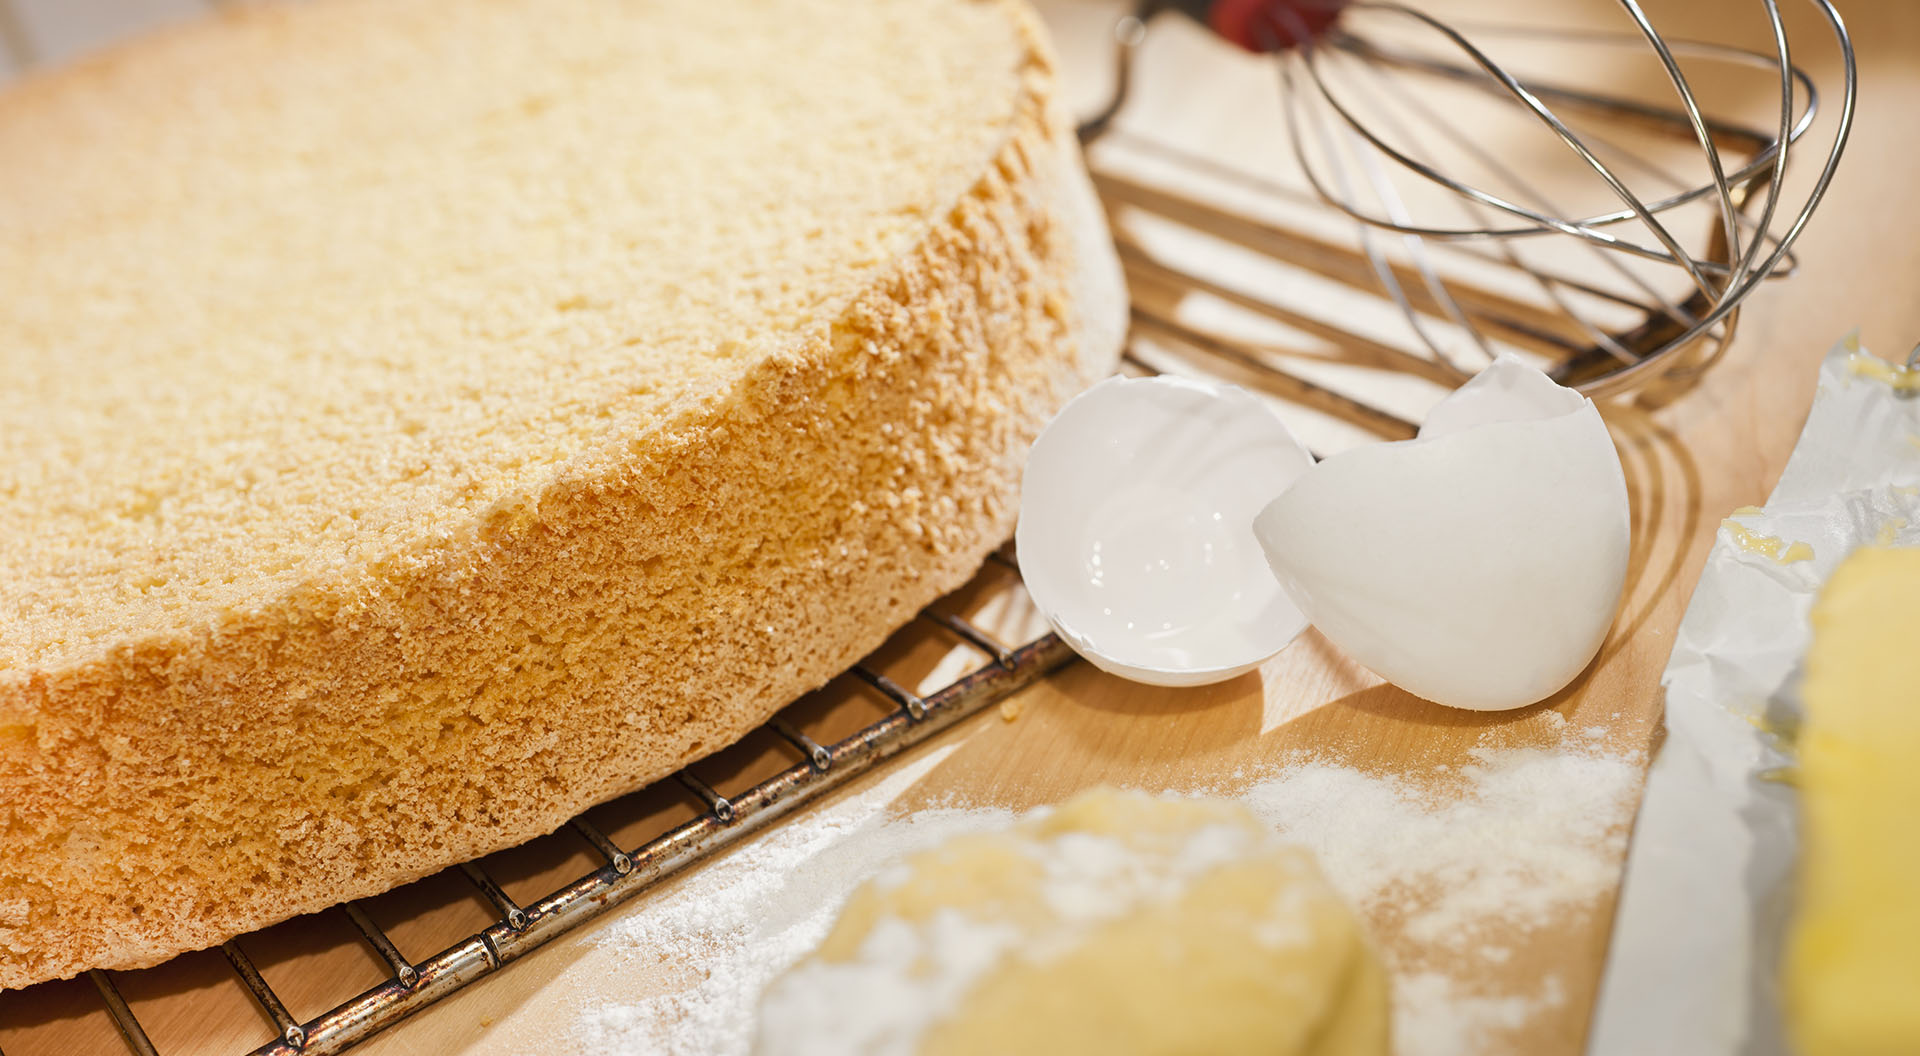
pixel 1853 966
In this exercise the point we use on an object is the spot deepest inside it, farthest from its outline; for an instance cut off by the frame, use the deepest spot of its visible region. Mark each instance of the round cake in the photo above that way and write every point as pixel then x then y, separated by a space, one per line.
pixel 423 419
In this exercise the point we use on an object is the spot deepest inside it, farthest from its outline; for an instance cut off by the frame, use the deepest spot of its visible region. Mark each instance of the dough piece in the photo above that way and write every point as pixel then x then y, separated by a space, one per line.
pixel 1119 924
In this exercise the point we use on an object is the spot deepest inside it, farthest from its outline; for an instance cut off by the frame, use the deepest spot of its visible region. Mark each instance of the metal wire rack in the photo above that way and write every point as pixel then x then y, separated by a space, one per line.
pixel 723 820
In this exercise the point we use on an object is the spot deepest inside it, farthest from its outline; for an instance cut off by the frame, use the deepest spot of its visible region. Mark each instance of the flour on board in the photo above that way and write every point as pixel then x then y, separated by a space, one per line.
pixel 1467 858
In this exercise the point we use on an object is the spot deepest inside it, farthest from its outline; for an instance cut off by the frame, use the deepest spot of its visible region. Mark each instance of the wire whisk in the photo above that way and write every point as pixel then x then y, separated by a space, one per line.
pixel 1609 234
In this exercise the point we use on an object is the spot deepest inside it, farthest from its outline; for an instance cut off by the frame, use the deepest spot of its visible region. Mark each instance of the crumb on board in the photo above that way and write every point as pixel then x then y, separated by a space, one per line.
pixel 1010 709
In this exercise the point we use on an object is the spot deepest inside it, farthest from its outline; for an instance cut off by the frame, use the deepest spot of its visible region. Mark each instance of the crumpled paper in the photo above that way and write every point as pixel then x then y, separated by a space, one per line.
pixel 1702 918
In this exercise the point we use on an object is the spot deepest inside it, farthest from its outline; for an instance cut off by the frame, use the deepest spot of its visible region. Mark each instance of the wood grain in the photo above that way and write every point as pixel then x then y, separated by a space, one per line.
pixel 1687 465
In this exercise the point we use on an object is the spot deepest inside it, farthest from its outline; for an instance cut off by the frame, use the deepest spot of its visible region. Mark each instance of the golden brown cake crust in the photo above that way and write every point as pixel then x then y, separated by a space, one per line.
pixel 649 605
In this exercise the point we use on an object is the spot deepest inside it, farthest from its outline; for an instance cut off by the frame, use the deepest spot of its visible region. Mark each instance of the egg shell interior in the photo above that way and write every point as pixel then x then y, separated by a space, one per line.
pixel 1135 533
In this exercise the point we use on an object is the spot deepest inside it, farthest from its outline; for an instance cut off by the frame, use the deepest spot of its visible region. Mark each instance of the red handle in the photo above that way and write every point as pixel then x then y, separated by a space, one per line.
pixel 1264 25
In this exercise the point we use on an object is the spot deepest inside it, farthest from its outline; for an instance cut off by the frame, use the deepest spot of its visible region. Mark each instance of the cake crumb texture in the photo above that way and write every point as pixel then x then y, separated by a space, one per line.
pixel 423 419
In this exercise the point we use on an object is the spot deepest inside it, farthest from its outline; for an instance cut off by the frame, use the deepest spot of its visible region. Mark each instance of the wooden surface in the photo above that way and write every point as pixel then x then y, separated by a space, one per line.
pixel 1687 465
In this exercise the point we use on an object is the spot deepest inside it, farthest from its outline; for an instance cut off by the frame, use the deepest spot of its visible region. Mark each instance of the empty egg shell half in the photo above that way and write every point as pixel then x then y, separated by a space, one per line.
pixel 1478 565
pixel 1136 529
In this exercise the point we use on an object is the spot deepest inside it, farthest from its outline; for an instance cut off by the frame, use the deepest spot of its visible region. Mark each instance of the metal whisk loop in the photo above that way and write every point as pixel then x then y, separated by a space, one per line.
pixel 1370 147
pixel 1760 143
pixel 1542 222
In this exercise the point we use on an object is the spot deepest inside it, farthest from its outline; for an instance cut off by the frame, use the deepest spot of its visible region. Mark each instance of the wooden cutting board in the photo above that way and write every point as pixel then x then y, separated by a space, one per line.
pixel 1687 466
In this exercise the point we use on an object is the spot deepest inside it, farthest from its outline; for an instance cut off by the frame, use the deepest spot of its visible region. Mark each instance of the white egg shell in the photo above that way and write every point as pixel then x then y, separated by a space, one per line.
pixel 1479 565
pixel 1136 529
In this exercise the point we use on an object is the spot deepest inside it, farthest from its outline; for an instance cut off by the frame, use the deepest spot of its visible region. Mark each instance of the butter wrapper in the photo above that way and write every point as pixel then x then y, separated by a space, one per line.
pixel 1695 959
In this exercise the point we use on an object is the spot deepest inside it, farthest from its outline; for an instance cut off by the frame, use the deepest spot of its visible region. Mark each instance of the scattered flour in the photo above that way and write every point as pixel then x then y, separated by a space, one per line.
pixel 1433 1014
pixel 949 953
pixel 1528 831
pixel 745 918
pixel 1524 835
pixel 1467 861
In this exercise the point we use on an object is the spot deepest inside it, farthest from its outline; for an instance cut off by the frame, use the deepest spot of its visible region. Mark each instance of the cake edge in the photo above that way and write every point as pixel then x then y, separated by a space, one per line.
pixel 96 888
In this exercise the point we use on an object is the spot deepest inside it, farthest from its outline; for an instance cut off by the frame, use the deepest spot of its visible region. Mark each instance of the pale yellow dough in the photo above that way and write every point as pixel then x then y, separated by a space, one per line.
pixel 1119 924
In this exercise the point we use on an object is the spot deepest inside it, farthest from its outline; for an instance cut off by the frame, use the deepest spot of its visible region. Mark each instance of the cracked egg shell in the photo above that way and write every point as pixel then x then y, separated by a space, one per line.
pixel 1478 565
pixel 1136 529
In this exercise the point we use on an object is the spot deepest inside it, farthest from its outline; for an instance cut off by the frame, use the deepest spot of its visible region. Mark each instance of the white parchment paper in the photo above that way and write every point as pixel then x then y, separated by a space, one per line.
pixel 1701 920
